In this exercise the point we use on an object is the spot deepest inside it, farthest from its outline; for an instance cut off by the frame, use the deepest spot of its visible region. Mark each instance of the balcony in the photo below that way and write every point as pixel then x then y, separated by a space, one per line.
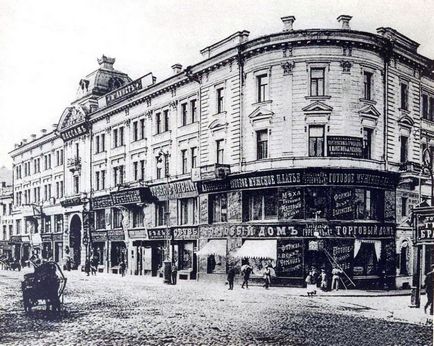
pixel 211 172
pixel 74 164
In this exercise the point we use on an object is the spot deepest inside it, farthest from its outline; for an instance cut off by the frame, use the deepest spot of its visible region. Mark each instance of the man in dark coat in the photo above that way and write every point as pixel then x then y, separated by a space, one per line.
pixel 231 277
pixel 246 270
pixel 429 289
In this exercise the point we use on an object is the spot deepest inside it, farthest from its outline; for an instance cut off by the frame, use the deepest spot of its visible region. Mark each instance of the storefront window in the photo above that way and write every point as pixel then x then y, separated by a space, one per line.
pixel 100 219
pixel 187 211
pixel 47 224
pixel 117 218
pixel 219 207
pixel 316 202
pixel 58 219
pixel 215 264
pixel 366 257
pixel 184 251
pixel 262 205
pixel 369 204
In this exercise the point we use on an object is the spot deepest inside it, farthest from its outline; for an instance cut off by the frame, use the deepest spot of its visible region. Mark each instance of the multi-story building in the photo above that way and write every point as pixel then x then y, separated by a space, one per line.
pixel 6 221
pixel 301 148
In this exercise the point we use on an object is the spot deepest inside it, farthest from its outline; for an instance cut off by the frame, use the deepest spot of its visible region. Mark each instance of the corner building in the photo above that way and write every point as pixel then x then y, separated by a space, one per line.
pixel 300 148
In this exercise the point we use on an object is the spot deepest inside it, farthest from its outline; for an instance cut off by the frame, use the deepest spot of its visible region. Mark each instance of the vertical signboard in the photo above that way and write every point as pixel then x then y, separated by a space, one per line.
pixel 291 203
pixel 290 258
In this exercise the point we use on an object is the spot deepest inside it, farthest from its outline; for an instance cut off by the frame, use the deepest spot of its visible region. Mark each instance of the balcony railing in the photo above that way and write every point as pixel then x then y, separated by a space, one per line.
pixel 74 164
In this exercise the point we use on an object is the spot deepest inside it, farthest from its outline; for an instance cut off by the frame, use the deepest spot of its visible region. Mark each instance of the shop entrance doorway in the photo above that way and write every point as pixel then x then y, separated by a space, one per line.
pixel 75 241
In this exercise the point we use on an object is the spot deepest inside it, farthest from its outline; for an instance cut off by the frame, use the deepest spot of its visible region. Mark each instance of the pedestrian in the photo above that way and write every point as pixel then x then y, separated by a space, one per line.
pixel 336 277
pixel 246 270
pixel 94 265
pixel 310 283
pixel 231 277
pixel 87 266
pixel 323 277
pixel 174 273
pixel 267 276
pixel 122 267
pixel 429 290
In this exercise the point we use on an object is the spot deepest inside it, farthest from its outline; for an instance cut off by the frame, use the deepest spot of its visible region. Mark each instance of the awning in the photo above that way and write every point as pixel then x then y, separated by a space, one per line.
pixel 214 247
pixel 258 249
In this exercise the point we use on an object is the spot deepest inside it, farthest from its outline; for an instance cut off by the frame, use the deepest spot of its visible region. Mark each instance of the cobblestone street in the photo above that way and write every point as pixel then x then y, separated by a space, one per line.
pixel 111 310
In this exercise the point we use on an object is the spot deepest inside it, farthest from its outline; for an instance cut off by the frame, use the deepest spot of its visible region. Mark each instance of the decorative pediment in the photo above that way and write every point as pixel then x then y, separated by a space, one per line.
pixel 71 116
pixel 370 111
pixel 406 121
pixel 317 107
pixel 260 113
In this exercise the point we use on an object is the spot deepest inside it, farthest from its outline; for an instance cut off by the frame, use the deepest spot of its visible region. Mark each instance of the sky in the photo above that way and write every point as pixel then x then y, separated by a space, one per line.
pixel 47 46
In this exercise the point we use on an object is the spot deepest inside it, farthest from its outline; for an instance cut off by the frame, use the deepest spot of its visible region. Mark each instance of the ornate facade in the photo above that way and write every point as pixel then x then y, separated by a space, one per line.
pixel 302 147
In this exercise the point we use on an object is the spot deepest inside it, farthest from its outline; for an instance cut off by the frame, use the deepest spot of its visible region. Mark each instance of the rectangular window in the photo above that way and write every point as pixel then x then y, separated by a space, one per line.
pixel 404 96
pixel 194 157
pixel 367 84
pixel 97 145
pixel 117 218
pixel 102 180
pixel 193 110
pixel 138 218
pixel 100 219
pixel 158 122
pixel 431 109
pixel 142 169
pixel 166 120
pixel 262 205
pixel 219 207
pixel 115 138
pixel 367 143
pixel 121 136
pixel 135 130
pixel 142 128
pixel 136 170
pixel 184 161
pixel 184 216
pixel 220 100
pixel 184 120
pixel 115 175
pixel 404 149
pixel 97 180
pixel 262 85
pixel 76 184
pixel 316 141
pixel 404 206
pixel 58 221
pixel 220 151
pixel 262 144
pixel 18 228
pixel 161 215
pixel 317 81
pixel 159 171
pixel 425 107
pixel 121 174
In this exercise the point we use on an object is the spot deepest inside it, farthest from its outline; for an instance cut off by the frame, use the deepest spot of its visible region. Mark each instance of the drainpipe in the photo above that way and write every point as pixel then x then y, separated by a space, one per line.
pixel 241 77
pixel 385 111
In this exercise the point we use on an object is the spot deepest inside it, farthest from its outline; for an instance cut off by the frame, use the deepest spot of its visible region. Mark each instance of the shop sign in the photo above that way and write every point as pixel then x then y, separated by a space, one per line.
pixel 102 202
pixel 46 237
pixel 70 202
pixel 308 230
pixel 99 236
pixel 138 233
pixel 115 234
pixel 181 233
pixel 313 177
pixel 158 234
pixel 127 197
pixel 19 239
pixel 124 92
pixel 425 229
pixel 290 257
pixel 179 189
pixel 344 146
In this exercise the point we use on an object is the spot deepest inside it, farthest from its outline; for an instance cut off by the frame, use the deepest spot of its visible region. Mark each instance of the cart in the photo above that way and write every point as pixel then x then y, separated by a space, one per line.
pixel 46 283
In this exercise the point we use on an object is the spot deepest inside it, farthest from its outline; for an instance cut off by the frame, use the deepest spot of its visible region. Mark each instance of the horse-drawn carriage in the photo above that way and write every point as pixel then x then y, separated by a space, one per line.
pixel 46 283
pixel 9 264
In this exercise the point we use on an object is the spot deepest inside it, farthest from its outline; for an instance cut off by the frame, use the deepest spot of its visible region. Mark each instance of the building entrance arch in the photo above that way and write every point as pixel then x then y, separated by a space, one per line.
pixel 75 241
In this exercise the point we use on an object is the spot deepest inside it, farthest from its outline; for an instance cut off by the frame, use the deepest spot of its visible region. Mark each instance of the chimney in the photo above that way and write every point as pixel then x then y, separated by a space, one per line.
pixel 288 23
pixel 106 62
pixel 16 145
pixel 345 19
pixel 43 131
pixel 24 141
pixel 54 126
pixel 176 68
pixel 33 136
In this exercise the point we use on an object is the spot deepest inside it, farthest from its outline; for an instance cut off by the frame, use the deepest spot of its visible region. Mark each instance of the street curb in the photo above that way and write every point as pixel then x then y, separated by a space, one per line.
pixel 356 295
